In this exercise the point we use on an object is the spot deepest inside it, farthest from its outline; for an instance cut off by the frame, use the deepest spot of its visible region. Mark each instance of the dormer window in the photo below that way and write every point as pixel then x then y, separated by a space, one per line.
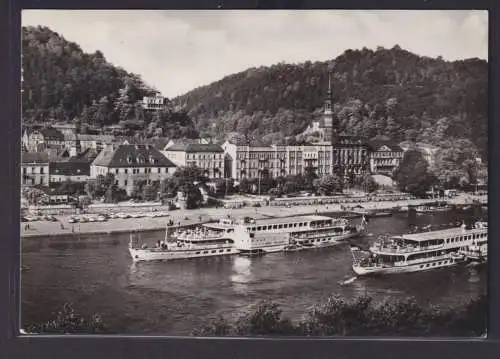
pixel 129 159
pixel 140 159
pixel 152 160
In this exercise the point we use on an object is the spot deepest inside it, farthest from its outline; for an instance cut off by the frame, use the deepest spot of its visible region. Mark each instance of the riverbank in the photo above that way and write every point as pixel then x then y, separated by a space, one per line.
pixel 190 217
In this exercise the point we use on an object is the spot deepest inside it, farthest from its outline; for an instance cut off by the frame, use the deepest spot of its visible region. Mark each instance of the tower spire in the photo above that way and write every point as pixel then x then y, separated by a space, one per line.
pixel 329 83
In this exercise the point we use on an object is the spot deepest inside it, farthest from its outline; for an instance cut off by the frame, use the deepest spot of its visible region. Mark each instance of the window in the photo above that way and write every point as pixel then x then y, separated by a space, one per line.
pixel 33 170
pixel 125 182
pixel 117 170
pixel 24 170
pixel 41 170
pixel 41 180
pixel 126 170
pixel 159 170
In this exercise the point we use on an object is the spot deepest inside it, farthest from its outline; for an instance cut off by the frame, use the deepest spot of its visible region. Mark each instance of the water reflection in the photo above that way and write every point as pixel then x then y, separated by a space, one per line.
pixel 242 274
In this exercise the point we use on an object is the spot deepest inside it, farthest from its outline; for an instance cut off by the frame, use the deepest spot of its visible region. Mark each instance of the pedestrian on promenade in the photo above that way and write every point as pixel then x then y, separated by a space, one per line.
pixel 62 226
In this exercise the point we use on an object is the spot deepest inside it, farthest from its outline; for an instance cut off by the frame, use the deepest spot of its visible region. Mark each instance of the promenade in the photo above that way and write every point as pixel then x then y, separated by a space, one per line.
pixel 189 217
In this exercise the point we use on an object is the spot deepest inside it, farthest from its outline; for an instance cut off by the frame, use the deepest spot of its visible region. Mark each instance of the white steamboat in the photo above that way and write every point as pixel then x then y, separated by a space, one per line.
pixel 477 251
pixel 207 240
pixel 417 252
pixel 292 233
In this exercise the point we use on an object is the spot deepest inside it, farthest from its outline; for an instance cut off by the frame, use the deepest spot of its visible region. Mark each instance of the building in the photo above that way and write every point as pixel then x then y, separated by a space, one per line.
pixel 132 163
pixel 34 169
pixel 384 157
pixel 46 137
pixel 96 142
pixel 154 103
pixel 245 161
pixel 350 157
pixel 428 151
pixel 69 171
pixel 208 157
pixel 325 126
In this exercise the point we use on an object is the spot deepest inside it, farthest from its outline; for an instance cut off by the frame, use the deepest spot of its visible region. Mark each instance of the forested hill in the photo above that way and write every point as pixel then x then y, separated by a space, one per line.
pixel 389 92
pixel 61 82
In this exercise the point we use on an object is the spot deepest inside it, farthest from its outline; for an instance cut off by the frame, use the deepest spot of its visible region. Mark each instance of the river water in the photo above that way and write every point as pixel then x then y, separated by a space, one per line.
pixel 171 298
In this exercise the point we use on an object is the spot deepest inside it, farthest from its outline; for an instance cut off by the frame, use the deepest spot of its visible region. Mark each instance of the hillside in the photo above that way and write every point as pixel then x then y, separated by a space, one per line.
pixel 61 82
pixel 389 92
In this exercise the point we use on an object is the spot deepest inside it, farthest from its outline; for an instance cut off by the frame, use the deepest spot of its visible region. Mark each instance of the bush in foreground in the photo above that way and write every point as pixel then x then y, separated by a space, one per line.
pixel 358 317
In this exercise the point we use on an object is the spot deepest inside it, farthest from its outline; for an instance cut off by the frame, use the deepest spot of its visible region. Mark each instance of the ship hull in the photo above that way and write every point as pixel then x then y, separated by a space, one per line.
pixel 147 255
pixel 410 268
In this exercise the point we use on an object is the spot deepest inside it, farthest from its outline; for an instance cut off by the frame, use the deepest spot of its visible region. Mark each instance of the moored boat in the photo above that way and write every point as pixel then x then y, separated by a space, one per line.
pixel 417 251
pixel 207 240
pixel 292 233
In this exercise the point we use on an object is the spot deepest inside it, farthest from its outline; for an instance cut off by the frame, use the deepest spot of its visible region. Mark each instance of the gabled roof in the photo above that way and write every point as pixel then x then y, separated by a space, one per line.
pixel 70 168
pixel 377 144
pixel 194 147
pixel 50 133
pixel 132 156
pixel 34 157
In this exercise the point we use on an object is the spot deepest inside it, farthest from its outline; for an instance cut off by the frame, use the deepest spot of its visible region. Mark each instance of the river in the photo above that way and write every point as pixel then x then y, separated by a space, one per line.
pixel 171 298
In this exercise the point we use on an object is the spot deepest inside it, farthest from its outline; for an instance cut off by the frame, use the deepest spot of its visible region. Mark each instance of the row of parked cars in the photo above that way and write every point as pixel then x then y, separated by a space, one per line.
pixel 105 217
pixel 38 218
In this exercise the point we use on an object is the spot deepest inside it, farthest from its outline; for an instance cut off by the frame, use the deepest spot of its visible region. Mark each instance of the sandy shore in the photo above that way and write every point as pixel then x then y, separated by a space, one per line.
pixel 189 217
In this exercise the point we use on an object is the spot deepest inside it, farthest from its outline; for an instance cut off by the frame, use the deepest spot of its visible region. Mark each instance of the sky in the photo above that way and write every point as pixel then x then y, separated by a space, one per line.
pixel 177 51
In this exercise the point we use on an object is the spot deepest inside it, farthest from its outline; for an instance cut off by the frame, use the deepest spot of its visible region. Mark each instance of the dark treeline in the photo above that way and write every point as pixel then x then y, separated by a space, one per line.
pixel 389 92
pixel 61 83
pixel 335 317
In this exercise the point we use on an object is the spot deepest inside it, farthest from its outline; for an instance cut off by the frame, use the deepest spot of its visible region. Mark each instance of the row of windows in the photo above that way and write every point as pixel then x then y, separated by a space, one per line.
pixel 433 264
pixel 139 170
pixel 277 226
pixel 204 156
pixel 387 154
pixel 213 251
pixel 465 238
pixel 41 170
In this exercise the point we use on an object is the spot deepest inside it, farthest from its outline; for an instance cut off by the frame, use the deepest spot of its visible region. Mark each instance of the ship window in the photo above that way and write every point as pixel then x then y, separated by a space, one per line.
pixel 228 250
pixel 280 226
pixel 214 251
pixel 259 228
pixel 295 224
pixel 204 252
pixel 440 263
pixel 324 239
pixel 422 266
pixel 252 235
pixel 275 226
pixel 198 252
pixel 221 250
pixel 447 240
pixel 426 265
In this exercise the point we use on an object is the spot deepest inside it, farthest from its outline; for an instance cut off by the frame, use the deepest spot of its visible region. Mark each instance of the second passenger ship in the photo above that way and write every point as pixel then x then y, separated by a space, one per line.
pixel 420 251
pixel 261 236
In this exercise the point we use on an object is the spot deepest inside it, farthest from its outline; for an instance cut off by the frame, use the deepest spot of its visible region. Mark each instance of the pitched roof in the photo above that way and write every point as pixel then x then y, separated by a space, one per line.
pixel 194 147
pixel 51 133
pixel 34 157
pixel 132 156
pixel 376 144
pixel 70 168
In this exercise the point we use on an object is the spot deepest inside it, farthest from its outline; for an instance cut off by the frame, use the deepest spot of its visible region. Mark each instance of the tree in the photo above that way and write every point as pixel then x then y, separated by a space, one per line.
pixel 150 191
pixel 328 185
pixel 412 174
pixel 368 184
pixel 193 195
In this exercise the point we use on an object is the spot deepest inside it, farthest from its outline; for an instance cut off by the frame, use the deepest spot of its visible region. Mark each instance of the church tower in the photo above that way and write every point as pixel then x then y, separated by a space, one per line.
pixel 328 113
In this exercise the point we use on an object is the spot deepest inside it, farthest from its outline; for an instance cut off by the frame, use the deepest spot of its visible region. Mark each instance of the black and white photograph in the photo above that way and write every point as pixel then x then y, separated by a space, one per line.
pixel 251 173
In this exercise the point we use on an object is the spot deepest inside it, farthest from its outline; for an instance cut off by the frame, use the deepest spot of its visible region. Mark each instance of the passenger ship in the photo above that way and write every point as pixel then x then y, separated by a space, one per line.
pixel 417 252
pixel 207 240
pixel 477 251
pixel 292 233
